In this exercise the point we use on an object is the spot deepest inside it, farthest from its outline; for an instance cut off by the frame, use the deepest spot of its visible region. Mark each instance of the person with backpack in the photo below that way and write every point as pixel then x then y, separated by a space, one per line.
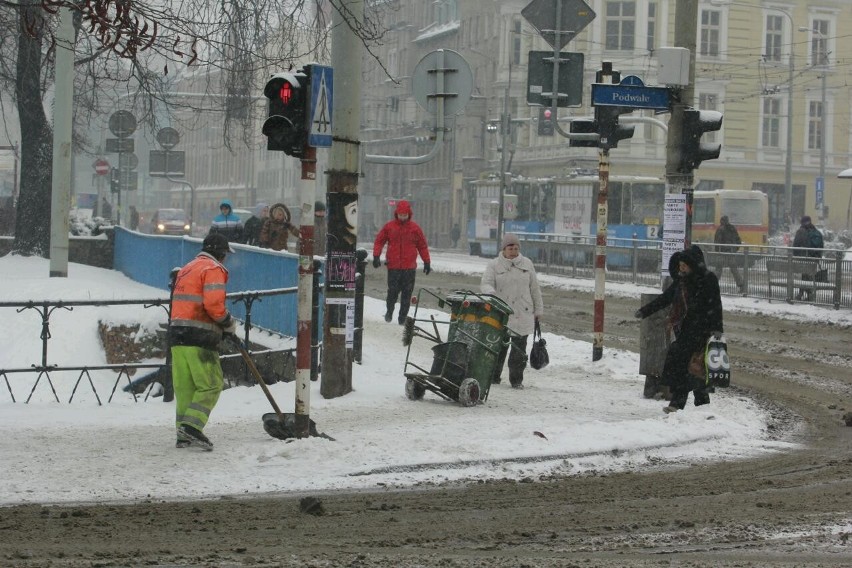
pixel 807 243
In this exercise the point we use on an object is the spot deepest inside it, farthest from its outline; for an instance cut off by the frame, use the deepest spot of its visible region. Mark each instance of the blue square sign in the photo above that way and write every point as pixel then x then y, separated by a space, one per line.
pixel 322 89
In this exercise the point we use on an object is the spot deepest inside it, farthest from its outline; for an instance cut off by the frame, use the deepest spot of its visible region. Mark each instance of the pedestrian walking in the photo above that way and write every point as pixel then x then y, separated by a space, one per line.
pixel 727 241
pixel 199 317
pixel 455 235
pixel 106 209
pixel 227 223
pixel 134 218
pixel 808 242
pixel 252 228
pixel 405 240
pixel 511 277
pixel 277 228
pixel 695 315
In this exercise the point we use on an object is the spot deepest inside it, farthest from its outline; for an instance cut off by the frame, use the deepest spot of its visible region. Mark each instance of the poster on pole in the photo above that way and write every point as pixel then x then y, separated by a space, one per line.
pixel 674 229
pixel 341 318
pixel 342 234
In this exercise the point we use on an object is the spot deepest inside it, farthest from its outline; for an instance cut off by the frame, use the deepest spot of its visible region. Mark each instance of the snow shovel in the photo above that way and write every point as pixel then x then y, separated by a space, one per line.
pixel 274 423
pixel 281 425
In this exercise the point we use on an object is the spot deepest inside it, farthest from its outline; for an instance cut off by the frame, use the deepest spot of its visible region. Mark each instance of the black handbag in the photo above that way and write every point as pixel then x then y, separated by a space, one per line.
pixel 538 355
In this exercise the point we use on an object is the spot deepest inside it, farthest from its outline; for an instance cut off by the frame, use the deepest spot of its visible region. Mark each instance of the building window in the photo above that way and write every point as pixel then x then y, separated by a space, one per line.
pixel 711 33
pixel 709 101
pixel 620 26
pixel 771 123
pixel 516 42
pixel 651 42
pixel 819 42
pixel 774 36
pixel 815 125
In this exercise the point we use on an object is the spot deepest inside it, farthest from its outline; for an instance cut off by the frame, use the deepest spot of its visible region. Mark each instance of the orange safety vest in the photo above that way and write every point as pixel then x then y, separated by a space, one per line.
pixel 198 304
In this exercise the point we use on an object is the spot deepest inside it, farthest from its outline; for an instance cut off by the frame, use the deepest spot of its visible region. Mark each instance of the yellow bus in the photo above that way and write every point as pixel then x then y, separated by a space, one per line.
pixel 747 210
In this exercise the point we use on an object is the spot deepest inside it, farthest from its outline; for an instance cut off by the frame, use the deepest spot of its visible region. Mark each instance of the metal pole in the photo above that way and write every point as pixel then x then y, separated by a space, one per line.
pixel 62 149
pixel 504 127
pixel 823 128
pixel 600 255
pixel 307 195
pixel 788 164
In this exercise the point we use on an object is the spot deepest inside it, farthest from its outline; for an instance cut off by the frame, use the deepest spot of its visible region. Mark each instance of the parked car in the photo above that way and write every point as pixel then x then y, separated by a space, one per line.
pixel 170 222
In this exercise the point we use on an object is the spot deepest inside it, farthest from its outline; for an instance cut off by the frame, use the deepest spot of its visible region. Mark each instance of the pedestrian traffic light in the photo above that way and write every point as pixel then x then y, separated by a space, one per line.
pixel 692 150
pixel 286 127
pixel 583 127
pixel 545 121
pixel 610 130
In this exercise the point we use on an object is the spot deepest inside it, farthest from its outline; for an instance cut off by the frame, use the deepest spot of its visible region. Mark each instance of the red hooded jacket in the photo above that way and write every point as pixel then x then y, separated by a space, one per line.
pixel 405 240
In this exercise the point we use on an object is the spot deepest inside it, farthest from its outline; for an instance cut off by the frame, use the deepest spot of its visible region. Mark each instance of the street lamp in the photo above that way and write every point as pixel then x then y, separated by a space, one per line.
pixel 788 166
pixel 823 63
pixel 847 174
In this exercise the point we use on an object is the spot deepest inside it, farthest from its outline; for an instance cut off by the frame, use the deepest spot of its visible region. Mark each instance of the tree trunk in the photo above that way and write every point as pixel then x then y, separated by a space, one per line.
pixel 32 231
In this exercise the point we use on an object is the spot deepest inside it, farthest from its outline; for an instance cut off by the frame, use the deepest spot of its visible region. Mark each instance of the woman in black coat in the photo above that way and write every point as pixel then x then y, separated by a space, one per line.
pixel 696 314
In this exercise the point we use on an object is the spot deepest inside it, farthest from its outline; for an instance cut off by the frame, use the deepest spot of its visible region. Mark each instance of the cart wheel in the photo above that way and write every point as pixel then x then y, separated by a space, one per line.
pixel 414 390
pixel 469 392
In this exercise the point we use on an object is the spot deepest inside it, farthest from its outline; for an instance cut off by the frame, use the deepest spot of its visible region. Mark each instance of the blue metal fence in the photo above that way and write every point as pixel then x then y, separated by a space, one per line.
pixel 149 259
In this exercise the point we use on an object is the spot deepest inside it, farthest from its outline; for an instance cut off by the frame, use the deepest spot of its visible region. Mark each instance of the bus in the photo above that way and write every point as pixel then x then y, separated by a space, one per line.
pixel 747 210
pixel 565 207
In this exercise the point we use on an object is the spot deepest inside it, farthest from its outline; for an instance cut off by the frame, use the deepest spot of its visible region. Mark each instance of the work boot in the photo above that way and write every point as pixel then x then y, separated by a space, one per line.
pixel 195 437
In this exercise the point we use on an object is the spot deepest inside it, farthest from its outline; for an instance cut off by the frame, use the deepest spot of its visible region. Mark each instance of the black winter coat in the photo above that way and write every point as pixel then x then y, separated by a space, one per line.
pixel 703 300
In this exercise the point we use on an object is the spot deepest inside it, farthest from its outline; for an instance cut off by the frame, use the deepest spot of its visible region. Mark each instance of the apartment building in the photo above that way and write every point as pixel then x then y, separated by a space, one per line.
pixel 778 71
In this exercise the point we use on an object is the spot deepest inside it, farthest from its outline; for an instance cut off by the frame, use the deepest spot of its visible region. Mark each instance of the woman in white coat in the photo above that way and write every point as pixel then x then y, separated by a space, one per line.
pixel 511 277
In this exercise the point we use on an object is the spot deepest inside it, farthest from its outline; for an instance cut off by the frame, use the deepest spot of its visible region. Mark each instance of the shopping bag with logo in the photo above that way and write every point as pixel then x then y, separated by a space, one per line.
pixel 538 355
pixel 717 362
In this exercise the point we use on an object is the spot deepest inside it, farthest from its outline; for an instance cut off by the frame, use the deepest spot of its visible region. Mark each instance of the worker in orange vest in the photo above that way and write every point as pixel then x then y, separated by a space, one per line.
pixel 199 317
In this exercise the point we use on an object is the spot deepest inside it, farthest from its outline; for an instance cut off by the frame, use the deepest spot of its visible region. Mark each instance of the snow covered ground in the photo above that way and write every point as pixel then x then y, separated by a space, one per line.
pixel 575 416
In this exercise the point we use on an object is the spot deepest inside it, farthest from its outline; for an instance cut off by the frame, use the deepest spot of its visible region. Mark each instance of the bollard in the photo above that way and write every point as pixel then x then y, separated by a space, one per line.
pixel 360 271
pixel 316 328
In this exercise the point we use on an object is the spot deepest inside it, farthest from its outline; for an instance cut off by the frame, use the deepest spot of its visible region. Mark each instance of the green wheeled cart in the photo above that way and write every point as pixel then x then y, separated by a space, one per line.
pixel 471 340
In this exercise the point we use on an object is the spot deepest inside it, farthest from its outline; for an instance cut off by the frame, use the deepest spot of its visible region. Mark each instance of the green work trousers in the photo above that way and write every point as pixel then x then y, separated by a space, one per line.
pixel 197 378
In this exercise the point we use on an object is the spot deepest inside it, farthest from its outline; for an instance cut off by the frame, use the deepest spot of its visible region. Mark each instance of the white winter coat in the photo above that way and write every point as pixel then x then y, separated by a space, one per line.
pixel 514 281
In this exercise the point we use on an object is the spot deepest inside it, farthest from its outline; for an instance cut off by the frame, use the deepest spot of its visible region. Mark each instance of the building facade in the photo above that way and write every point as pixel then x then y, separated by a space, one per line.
pixel 769 67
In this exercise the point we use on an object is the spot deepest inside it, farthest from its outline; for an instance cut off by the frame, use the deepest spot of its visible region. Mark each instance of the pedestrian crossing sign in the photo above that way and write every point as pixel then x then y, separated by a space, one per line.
pixel 322 88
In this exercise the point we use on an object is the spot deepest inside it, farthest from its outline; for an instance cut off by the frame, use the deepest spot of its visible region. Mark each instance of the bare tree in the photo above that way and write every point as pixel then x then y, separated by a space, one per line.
pixel 134 50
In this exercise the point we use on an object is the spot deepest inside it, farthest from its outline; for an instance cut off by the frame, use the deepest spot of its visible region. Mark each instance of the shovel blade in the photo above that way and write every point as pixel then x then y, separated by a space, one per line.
pixel 286 429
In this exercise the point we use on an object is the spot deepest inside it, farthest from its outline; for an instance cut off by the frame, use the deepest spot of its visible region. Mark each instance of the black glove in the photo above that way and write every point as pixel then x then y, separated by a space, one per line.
pixel 377 262
pixel 637 314
pixel 427 268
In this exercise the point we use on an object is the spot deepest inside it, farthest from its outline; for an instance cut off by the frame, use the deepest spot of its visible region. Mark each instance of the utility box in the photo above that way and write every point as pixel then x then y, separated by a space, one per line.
pixel 673 66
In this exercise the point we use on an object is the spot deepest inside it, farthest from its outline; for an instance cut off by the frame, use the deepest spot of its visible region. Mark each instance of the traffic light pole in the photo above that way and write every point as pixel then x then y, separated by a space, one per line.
pixel 346 49
pixel 307 192
pixel 600 254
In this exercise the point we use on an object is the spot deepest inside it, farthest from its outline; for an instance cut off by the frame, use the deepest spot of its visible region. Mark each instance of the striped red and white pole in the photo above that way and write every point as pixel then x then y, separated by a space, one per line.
pixel 600 255
pixel 305 289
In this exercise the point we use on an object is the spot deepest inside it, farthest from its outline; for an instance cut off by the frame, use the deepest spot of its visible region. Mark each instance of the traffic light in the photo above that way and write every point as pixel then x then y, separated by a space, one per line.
pixel 583 127
pixel 114 180
pixel 692 150
pixel 287 124
pixel 545 122
pixel 610 130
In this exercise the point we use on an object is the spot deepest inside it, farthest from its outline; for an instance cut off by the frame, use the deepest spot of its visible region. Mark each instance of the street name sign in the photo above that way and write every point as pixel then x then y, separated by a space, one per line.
pixel 630 93
pixel 574 16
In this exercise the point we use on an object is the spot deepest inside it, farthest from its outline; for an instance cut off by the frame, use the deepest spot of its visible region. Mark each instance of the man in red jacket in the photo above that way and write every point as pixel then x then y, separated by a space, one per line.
pixel 405 241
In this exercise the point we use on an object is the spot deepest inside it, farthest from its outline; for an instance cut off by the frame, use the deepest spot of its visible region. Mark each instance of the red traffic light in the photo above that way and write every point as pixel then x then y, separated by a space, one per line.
pixel 286 93
pixel 547 113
